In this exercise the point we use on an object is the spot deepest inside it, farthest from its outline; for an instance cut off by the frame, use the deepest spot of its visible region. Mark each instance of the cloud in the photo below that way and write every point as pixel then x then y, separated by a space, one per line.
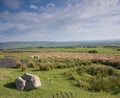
pixel 48 8
pixel 50 5
pixel 82 20
pixel 34 7
pixel 12 3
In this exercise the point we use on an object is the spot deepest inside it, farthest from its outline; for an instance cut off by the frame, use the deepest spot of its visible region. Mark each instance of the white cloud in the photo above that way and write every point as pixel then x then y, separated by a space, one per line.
pixel 50 5
pixel 85 20
pixel 48 8
pixel 34 7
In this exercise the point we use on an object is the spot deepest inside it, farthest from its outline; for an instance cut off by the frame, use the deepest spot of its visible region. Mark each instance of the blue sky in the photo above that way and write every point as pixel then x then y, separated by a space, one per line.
pixel 59 20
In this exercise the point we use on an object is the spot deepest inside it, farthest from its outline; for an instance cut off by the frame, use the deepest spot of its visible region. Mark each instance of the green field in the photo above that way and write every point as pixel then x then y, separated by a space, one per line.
pixel 79 50
pixel 60 76
pixel 61 87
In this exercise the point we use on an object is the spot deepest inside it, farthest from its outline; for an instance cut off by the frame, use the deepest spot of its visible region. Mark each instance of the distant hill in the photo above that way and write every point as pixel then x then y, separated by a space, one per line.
pixel 17 45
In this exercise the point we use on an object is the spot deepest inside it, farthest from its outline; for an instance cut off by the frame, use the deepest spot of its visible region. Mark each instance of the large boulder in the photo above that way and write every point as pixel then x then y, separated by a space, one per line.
pixel 27 82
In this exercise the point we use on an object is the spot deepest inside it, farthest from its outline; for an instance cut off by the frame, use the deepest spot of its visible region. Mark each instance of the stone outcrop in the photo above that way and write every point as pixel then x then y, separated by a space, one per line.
pixel 27 82
pixel 7 63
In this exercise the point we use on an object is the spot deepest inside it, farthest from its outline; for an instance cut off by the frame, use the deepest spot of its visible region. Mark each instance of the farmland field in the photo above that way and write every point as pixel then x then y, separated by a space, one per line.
pixel 60 73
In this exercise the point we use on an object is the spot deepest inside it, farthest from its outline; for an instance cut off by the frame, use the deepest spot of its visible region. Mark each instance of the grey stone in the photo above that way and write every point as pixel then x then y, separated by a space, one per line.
pixel 20 83
pixel 31 81
pixel 7 63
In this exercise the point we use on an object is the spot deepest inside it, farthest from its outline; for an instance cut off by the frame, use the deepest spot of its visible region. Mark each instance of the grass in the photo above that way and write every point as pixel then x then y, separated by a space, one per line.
pixel 96 78
pixel 59 88
pixel 75 50
pixel 81 50
pixel 63 75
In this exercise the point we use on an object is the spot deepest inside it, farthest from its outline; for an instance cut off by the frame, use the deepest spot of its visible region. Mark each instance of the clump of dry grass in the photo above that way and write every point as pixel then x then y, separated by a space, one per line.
pixel 19 64
pixel 45 66
pixel 23 68
pixel 31 64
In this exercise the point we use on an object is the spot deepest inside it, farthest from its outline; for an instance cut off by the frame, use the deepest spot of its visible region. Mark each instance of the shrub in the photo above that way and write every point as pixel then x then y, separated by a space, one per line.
pixel 92 51
pixel 19 64
pixel 118 49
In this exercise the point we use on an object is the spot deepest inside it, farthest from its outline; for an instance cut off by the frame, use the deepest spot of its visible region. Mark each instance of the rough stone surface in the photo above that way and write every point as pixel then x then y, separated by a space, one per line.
pixel 31 82
pixel 7 63
pixel 20 83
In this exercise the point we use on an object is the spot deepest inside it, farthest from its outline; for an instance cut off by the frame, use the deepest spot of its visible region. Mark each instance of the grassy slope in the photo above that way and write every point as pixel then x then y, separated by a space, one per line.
pixel 59 88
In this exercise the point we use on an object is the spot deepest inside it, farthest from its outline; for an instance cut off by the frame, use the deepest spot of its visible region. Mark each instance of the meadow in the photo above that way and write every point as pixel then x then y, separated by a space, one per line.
pixel 114 50
pixel 64 73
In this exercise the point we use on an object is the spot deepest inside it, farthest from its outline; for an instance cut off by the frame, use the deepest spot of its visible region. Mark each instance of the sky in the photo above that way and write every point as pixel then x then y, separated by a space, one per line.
pixel 59 20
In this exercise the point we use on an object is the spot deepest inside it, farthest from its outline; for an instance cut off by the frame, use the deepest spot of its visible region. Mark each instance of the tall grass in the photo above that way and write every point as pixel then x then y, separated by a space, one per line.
pixel 109 84
pixel 31 64
pixel 97 78
pixel 45 66
pixel 23 68
pixel 19 64
pixel 113 63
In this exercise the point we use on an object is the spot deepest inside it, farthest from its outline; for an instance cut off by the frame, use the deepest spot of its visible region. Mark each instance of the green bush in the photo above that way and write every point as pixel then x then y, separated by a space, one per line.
pixel 92 51
pixel 118 49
